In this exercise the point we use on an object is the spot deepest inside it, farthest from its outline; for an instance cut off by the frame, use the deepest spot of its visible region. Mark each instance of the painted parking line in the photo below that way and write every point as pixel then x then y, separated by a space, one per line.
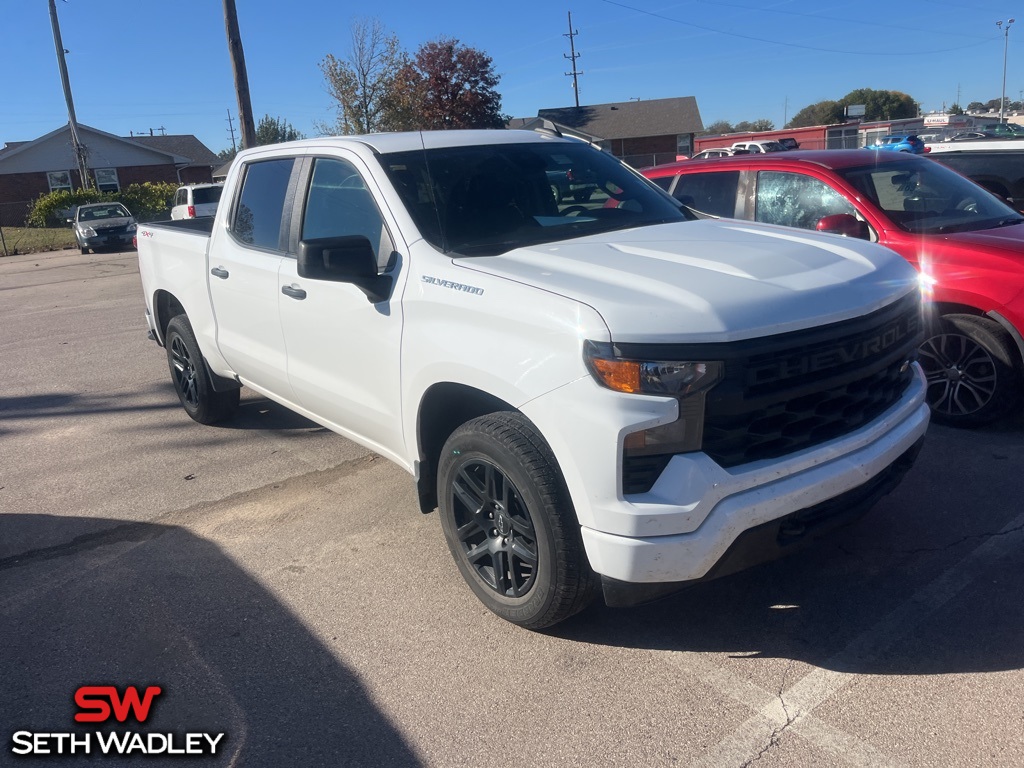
pixel 792 709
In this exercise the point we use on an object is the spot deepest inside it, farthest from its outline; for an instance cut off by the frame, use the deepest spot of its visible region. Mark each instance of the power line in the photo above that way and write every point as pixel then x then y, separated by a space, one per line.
pixel 789 45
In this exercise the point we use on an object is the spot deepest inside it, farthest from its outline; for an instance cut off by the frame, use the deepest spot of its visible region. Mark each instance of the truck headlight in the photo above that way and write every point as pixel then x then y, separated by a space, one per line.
pixel 685 380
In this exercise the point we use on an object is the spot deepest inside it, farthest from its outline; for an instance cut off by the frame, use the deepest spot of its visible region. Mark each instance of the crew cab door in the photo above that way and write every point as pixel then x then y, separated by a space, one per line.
pixel 344 349
pixel 244 262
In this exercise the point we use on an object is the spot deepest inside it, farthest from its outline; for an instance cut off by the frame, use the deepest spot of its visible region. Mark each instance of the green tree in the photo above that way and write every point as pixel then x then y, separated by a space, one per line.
pixel 274 130
pixel 975 105
pixel 717 127
pixel 370 93
pixel 227 154
pixel 956 109
pixel 755 127
pixel 881 105
pixel 820 113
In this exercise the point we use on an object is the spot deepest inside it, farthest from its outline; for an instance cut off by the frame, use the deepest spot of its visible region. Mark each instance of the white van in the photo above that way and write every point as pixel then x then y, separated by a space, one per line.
pixel 196 200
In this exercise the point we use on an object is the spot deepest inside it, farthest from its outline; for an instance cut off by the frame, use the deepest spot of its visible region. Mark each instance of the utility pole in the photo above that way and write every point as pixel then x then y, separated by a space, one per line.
pixel 231 130
pixel 572 57
pixel 1006 43
pixel 76 144
pixel 246 125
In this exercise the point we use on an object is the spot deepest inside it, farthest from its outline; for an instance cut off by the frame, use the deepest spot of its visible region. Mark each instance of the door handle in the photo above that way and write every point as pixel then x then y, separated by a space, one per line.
pixel 219 272
pixel 295 293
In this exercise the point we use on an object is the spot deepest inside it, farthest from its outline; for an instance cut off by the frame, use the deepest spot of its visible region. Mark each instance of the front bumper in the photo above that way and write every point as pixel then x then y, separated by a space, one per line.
pixel 776 538
pixel 104 240
pixel 684 526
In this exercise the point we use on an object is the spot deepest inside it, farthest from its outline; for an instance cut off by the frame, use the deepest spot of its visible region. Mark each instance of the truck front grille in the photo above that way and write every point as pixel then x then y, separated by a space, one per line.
pixel 792 391
pixel 800 389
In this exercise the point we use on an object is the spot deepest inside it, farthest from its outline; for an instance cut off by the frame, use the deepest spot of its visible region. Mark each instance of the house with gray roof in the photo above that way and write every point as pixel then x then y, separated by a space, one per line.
pixel 642 133
pixel 29 169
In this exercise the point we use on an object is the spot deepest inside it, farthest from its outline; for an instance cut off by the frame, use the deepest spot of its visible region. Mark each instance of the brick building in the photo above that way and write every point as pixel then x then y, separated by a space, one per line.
pixel 29 169
pixel 642 133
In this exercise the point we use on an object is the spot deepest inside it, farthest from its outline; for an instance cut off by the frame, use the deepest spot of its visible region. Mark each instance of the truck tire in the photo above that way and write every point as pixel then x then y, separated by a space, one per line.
pixel 510 524
pixel 972 368
pixel 191 379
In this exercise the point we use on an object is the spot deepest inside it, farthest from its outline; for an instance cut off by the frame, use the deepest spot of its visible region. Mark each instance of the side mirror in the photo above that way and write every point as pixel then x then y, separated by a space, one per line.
pixel 348 259
pixel 844 224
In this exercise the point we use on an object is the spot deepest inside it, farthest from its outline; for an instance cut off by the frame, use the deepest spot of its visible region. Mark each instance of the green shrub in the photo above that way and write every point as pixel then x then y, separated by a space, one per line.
pixel 51 210
pixel 147 202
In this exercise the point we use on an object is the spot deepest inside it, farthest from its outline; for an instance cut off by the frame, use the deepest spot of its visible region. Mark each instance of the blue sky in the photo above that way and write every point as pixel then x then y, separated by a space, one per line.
pixel 149 64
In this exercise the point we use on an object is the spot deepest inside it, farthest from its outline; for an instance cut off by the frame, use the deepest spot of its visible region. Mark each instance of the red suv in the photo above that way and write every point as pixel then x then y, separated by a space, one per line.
pixel 967 243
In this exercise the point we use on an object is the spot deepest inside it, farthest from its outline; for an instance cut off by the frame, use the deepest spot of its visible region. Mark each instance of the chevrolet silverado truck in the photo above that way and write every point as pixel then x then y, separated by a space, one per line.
pixel 597 399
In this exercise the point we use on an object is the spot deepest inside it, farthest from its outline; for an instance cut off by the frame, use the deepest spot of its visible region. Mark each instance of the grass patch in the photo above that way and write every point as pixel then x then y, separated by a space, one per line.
pixel 37 239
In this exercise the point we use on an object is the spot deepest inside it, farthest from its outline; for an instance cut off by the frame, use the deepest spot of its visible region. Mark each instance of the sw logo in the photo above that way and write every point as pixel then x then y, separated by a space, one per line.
pixel 97 702
pixel 106 704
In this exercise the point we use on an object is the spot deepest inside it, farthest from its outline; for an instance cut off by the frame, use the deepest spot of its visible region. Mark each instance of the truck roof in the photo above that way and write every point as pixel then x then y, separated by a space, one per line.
pixel 386 143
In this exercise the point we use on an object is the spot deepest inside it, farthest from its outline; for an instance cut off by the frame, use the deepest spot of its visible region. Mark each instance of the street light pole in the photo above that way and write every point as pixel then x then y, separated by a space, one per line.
pixel 1006 43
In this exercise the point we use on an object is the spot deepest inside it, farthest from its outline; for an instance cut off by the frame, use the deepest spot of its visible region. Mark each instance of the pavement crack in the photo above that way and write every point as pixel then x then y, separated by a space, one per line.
pixel 775 736
pixel 129 532
pixel 963 540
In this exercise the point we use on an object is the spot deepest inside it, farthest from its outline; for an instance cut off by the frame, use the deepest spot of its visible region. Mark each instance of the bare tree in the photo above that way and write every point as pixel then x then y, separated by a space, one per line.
pixel 366 84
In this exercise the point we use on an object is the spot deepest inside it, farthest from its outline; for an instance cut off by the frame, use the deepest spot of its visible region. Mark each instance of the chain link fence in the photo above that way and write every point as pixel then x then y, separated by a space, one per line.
pixel 14 214
pixel 11 215
pixel 647 159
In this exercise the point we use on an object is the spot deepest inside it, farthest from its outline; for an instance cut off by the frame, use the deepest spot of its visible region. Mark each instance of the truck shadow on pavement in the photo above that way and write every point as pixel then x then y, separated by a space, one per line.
pixel 254 412
pixel 928 582
pixel 144 604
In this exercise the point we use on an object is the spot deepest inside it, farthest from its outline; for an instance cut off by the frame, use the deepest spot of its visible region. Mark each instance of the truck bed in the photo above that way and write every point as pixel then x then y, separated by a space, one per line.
pixel 202 225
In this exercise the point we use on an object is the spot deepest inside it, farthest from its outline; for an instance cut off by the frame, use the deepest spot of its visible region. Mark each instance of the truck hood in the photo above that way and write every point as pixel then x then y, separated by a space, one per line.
pixel 710 281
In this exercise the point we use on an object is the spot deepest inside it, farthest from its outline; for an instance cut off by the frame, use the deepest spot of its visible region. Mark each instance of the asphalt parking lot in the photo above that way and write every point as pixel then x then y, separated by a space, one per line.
pixel 281 587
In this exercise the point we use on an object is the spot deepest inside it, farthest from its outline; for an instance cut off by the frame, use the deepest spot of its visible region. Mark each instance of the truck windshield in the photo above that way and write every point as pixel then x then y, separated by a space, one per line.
pixel 486 200
pixel 927 198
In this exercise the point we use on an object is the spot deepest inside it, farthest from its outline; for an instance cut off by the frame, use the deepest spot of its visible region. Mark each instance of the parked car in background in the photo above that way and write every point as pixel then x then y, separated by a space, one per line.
pixel 973 136
pixel 1003 130
pixel 901 143
pixel 196 200
pixel 968 244
pixel 565 184
pixel 997 169
pixel 715 152
pixel 103 225
pixel 789 143
pixel 756 147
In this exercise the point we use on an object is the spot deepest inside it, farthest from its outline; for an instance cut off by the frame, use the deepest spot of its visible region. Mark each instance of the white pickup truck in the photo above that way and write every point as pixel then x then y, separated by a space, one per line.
pixel 610 396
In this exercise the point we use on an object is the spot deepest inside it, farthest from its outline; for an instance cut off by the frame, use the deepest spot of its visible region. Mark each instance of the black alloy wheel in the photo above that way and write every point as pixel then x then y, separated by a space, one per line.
pixel 184 372
pixel 191 380
pixel 510 524
pixel 972 369
pixel 494 528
